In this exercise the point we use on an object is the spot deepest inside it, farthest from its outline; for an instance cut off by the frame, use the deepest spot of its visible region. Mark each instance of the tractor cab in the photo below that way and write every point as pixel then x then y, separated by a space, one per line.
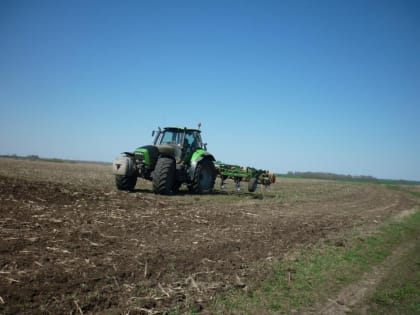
pixel 179 142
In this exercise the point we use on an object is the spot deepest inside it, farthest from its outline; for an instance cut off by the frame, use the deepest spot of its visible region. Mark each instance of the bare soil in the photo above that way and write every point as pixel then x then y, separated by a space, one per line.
pixel 71 243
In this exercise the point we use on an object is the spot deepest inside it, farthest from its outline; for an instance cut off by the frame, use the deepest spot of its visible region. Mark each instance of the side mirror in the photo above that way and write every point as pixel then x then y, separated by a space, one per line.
pixel 154 131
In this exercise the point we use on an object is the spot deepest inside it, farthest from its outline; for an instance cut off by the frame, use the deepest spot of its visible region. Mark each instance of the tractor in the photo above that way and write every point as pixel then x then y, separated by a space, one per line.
pixel 177 156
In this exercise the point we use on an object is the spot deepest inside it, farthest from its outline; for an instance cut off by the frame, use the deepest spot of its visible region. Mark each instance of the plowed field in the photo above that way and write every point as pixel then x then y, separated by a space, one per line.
pixel 70 243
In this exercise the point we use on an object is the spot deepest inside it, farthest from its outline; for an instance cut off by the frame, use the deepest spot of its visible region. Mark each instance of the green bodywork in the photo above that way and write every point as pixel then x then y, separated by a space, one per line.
pixel 145 153
pixel 197 154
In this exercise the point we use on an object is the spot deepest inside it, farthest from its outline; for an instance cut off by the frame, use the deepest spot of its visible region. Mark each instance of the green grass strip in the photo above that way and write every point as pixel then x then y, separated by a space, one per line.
pixel 399 292
pixel 318 272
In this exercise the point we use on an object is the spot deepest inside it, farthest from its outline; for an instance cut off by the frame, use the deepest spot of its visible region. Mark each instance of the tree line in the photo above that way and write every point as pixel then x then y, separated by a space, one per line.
pixel 356 178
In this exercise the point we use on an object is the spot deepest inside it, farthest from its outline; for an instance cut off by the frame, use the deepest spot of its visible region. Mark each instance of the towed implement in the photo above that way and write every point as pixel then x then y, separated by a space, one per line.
pixel 249 174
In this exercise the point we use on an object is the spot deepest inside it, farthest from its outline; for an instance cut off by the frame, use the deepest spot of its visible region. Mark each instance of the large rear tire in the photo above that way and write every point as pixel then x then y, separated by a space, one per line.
pixel 252 184
pixel 164 176
pixel 125 182
pixel 204 177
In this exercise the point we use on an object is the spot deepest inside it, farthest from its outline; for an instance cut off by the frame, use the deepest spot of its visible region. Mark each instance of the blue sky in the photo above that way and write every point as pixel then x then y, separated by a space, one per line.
pixel 283 85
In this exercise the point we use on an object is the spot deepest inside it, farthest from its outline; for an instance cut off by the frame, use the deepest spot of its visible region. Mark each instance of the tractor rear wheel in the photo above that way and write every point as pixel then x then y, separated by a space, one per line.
pixel 252 184
pixel 204 177
pixel 164 176
pixel 125 182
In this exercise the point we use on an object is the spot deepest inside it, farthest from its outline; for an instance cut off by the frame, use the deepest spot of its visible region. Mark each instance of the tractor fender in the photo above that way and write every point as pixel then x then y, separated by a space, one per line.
pixel 166 149
pixel 196 158
pixel 124 165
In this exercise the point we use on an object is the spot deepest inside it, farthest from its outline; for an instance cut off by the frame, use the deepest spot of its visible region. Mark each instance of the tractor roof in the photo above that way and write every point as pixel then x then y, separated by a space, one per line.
pixel 181 129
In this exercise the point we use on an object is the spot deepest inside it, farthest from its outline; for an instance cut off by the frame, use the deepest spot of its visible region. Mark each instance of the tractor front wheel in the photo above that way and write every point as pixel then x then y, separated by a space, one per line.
pixel 125 182
pixel 164 176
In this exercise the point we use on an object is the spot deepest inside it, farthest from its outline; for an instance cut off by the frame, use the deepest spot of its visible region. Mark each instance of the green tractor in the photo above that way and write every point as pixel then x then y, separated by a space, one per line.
pixel 177 156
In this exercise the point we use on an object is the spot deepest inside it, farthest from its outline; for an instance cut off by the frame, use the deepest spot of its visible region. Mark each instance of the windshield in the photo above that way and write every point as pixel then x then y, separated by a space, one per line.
pixel 170 137
pixel 191 139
